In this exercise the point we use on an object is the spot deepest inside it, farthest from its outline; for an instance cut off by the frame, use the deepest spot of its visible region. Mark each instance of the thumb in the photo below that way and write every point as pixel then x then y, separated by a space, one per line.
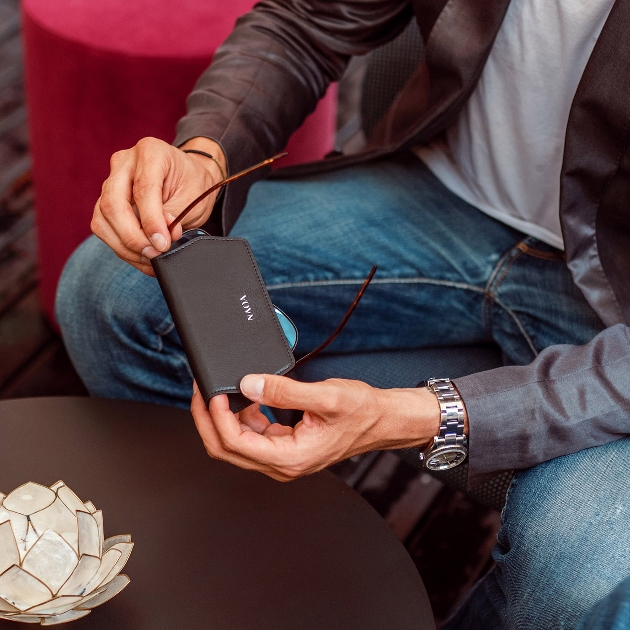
pixel 283 392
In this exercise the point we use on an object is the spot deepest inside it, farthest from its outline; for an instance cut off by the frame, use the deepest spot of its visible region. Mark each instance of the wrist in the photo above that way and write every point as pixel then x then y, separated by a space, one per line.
pixel 409 417
pixel 215 165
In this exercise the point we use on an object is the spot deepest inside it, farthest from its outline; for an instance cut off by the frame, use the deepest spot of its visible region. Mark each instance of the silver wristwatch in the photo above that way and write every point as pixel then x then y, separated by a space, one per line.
pixel 450 446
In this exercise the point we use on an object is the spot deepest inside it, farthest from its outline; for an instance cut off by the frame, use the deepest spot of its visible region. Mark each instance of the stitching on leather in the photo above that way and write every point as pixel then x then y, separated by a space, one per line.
pixel 181 248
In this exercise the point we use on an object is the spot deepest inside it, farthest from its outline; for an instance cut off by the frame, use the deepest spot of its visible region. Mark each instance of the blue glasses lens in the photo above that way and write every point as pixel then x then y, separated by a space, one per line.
pixel 288 327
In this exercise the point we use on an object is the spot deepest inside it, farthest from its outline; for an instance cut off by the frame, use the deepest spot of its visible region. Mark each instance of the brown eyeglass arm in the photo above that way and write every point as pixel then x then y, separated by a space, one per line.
pixel 223 182
pixel 343 322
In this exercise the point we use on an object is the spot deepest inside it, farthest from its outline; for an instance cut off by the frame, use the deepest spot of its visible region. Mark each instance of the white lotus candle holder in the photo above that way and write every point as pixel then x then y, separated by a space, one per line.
pixel 55 565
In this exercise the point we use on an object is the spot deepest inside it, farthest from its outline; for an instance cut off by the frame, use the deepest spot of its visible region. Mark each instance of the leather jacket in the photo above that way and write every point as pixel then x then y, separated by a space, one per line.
pixel 277 63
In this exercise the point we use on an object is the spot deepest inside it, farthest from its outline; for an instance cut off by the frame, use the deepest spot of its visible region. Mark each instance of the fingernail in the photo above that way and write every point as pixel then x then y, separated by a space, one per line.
pixel 158 241
pixel 195 388
pixel 144 259
pixel 252 386
pixel 170 217
pixel 150 252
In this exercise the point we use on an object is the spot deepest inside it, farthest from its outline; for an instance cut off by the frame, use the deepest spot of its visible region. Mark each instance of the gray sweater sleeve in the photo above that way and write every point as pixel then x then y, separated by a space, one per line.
pixel 568 399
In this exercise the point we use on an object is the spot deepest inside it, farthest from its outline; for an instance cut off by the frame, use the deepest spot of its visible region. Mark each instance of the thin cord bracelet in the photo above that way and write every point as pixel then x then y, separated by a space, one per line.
pixel 223 173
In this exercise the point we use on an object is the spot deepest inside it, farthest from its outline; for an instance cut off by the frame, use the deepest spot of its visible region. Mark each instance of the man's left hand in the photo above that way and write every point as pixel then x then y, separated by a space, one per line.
pixel 341 418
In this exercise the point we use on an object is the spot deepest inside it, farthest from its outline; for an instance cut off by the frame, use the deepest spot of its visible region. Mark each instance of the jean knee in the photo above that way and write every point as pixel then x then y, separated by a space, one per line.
pixel 102 299
pixel 563 543
pixel 73 300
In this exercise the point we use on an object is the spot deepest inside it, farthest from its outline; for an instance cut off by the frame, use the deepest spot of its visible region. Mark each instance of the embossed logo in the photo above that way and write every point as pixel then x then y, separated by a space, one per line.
pixel 247 308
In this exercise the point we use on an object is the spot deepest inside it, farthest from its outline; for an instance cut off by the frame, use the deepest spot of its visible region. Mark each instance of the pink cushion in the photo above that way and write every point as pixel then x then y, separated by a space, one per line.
pixel 100 75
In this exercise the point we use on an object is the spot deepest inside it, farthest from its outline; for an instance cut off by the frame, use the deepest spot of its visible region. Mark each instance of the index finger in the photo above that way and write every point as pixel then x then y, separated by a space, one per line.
pixel 148 192
pixel 115 207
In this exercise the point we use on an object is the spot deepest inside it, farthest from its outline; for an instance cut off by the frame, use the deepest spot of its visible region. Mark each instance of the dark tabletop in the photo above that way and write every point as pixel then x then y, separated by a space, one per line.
pixel 215 546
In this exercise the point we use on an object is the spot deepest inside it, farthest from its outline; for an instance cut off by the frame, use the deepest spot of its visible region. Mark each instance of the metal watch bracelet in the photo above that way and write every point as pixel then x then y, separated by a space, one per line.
pixel 450 446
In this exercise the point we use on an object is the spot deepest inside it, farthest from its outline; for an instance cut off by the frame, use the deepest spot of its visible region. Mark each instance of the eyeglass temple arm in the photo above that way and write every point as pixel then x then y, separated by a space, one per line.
pixel 344 321
pixel 227 180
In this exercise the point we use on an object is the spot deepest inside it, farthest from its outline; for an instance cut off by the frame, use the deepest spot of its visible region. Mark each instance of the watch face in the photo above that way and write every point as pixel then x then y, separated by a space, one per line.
pixel 446 457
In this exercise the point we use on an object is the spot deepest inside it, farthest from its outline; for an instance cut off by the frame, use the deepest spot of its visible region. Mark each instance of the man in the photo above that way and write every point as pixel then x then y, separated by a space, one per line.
pixel 458 199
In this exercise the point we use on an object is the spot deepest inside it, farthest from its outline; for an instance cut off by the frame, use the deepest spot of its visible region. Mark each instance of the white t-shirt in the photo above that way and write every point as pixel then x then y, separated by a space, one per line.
pixel 504 152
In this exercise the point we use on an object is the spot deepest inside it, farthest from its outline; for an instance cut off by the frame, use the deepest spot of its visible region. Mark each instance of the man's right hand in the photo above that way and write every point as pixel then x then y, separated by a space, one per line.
pixel 148 186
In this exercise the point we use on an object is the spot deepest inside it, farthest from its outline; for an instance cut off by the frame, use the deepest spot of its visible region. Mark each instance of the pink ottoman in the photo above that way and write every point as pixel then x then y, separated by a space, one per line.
pixel 100 75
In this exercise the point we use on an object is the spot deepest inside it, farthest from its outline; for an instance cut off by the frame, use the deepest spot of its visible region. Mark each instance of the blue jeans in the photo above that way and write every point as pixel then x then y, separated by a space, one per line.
pixel 448 274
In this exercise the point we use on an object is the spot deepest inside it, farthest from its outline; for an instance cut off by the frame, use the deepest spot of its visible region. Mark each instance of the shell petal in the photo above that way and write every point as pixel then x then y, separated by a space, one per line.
pixel 5 607
pixel 59 518
pixel 9 554
pixel 29 498
pixel 125 551
pixel 71 615
pixel 19 523
pixel 23 618
pixel 114 540
pixel 22 590
pixel 71 500
pixel 112 589
pixel 89 537
pixel 110 558
pixel 55 606
pixel 51 559
pixel 81 576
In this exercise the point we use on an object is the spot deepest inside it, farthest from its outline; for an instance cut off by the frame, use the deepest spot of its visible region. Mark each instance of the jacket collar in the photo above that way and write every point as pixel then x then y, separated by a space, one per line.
pixel 595 180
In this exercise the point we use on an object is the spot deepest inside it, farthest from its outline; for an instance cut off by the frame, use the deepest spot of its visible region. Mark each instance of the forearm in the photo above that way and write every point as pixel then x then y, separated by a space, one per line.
pixel 568 399
pixel 271 71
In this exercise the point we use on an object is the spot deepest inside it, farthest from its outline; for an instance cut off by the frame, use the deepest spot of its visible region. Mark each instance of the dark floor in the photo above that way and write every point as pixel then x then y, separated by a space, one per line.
pixel 33 362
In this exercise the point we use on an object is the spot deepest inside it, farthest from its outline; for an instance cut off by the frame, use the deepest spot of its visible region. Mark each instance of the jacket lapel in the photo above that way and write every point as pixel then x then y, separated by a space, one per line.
pixel 456 51
pixel 595 191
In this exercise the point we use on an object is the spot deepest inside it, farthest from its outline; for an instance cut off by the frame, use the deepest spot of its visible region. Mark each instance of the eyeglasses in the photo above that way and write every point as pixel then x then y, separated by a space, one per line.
pixel 288 327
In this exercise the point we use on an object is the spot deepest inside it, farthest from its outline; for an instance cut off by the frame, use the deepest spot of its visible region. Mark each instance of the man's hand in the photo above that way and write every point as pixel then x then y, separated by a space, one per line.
pixel 149 185
pixel 341 418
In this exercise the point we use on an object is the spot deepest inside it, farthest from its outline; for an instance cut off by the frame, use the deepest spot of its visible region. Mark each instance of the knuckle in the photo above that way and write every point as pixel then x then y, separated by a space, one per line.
pixel 277 391
pixel 133 243
pixel 147 143
pixel 118 158
pixel 95 224
pixel 332 402
pixel 105 205
pixel 227 443
pixel 142 187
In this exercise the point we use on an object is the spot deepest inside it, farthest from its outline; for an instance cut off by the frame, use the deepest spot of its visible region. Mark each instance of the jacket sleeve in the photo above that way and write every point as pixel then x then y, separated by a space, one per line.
pixel 568 399
pixel 271 71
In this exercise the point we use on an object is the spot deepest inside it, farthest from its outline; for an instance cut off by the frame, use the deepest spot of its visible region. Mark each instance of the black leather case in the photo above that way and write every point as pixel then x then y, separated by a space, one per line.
pixel 223 315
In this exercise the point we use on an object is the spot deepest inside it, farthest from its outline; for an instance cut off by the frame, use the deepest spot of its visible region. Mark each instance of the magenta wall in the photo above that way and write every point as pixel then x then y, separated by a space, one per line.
pixel 102 74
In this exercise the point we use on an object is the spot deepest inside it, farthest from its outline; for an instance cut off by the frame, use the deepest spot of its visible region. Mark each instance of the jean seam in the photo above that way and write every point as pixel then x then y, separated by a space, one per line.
pixel 519 325
pixel 488 289
pixel 503 267
pixel 349 282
